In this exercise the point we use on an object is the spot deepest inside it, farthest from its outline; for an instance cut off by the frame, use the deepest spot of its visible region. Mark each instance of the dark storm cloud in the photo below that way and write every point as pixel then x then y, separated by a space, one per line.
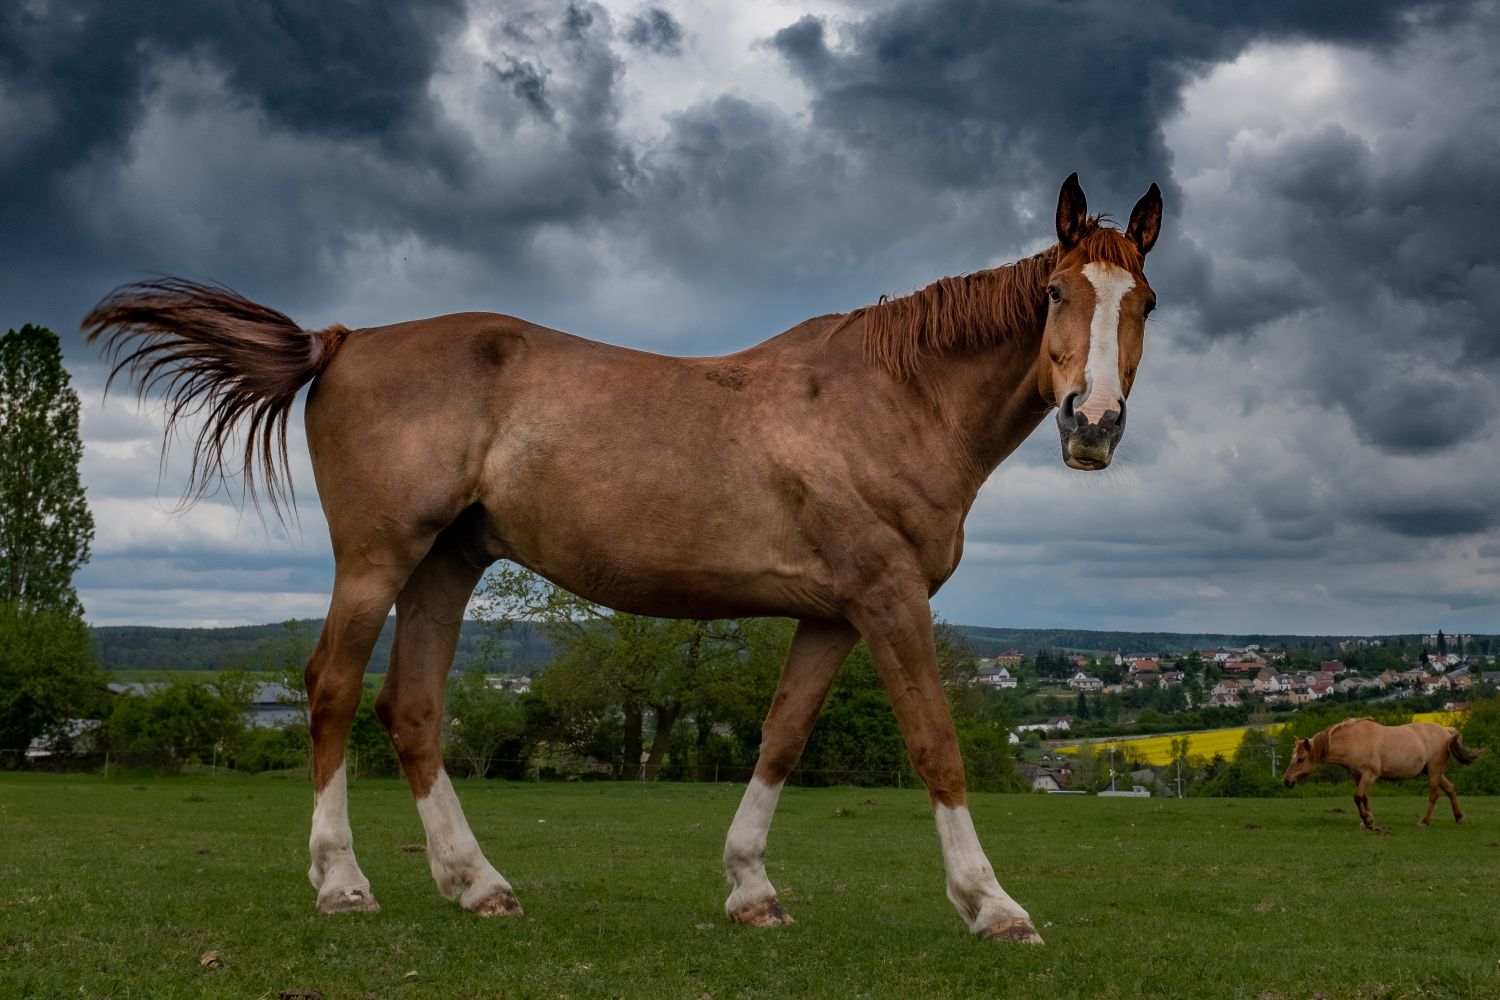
pixel 655 30
pixel 1437 520
pixel 527 83
pixel 970 92
pixel 297 138
pixel 351 67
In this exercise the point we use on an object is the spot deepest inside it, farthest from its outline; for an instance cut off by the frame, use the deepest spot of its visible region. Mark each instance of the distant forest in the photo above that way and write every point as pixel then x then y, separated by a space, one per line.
pixel 525 649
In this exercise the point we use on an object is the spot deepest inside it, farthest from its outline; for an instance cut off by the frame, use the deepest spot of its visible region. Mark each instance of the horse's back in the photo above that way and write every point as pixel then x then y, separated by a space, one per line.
pixel 1396 751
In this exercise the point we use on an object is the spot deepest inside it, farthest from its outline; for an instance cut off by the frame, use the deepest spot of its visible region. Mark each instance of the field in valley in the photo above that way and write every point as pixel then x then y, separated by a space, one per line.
pixel 118 887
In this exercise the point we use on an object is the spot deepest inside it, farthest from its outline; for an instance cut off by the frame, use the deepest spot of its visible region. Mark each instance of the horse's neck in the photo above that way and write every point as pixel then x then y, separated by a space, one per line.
pixel 1324 750
pixel 990 399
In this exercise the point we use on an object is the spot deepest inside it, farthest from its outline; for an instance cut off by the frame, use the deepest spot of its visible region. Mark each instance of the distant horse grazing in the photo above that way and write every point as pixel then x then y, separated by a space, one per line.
pixel 823 475
pixel 1369 750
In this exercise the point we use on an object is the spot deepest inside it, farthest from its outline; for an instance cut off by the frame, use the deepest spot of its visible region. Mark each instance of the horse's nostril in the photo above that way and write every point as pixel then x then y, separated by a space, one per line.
pixel 1067 405
pixel 1120 420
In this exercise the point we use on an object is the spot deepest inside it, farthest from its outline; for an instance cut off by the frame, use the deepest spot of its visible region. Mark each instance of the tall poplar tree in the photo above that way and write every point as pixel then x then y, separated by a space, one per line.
pixel 45 524
pixel 48 675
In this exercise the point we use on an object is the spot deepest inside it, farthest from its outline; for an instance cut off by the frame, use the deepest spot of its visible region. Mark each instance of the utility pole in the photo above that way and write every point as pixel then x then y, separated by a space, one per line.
pixel 1179 777
pixel 1272 745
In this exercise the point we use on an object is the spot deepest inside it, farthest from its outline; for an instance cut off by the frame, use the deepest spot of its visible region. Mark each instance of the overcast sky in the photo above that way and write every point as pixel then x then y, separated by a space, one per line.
pixel 1313 438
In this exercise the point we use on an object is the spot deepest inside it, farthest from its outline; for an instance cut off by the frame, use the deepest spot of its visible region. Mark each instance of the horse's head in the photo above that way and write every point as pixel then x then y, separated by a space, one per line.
pixel 1096 318
pixel 1301 765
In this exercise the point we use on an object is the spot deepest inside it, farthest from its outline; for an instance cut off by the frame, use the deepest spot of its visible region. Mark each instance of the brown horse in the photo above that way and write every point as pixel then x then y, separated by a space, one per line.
pixel 1369 750
pixel 822 475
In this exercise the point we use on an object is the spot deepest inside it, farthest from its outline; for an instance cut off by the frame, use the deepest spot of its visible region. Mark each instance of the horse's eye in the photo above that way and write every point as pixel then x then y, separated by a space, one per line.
pixel 1150 306
pixel 1054 293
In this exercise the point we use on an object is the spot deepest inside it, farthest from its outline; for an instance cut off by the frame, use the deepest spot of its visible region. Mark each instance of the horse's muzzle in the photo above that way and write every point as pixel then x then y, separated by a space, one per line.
pixel 1088 446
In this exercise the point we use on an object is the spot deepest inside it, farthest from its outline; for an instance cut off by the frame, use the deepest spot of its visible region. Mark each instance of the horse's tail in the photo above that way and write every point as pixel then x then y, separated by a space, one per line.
pixel 210 350
pixel 1458 751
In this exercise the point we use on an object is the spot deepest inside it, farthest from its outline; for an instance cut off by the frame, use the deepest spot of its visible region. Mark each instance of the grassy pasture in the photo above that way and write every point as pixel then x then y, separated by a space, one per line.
pixel 115 888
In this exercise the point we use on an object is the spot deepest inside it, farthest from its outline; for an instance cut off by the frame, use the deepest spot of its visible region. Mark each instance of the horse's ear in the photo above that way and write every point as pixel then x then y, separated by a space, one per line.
pixel 1305 745
pixel 1072 213
pixel 1145 220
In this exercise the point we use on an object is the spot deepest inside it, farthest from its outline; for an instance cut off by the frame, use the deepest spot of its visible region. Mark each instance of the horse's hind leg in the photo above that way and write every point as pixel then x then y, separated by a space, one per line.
pixel 429 614
pixel 1433 778
pixel 335 673
pixel 1452 793
pixel 818 650
pixel 1362 799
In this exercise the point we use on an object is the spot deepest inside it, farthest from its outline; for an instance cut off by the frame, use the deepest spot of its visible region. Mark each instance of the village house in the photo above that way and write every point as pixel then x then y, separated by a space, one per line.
pixel 1058 724
pixel 1085 683
pixel 1042 779
pixel 1225 694
pixel 995 677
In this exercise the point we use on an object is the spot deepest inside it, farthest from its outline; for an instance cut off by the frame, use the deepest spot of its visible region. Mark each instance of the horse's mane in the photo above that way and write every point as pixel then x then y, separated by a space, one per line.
pixel 972 311
pixel 1320 742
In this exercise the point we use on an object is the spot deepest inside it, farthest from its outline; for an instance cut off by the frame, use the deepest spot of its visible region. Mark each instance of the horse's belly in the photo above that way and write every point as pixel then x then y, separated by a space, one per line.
pixel 664 556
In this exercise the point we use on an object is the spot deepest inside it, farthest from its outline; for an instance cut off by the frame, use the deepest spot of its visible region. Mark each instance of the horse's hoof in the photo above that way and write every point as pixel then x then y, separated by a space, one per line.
pixel 1423 823
pixel 1011 930
pixel 355 899
pixel 766 912
pixel 493 903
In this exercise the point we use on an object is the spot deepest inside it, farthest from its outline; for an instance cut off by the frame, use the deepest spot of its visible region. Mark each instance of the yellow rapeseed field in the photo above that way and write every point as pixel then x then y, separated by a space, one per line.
pixel 1157 750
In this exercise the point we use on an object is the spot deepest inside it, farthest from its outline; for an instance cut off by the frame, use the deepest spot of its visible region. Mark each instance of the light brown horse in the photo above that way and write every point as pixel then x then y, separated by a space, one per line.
pixel 823 475
pixel 1369 750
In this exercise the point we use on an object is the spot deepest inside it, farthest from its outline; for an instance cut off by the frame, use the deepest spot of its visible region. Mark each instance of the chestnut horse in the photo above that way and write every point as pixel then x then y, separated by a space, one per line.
pixel 1369 750
pixel 823 475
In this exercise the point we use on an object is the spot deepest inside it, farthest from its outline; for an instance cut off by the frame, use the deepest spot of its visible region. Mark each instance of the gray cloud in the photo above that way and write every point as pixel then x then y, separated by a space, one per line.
pixel 655 30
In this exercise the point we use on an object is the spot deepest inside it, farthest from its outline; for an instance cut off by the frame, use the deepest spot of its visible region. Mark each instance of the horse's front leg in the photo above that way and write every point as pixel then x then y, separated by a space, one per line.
pixel 898 630
pixel 818 650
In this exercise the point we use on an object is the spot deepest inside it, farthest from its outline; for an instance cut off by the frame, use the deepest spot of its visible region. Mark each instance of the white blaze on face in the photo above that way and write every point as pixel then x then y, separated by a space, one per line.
pixel 1102 373
pixel 745 847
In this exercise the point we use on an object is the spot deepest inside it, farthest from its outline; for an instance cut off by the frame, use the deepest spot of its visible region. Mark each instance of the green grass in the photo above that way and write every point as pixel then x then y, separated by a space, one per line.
pixel 115 888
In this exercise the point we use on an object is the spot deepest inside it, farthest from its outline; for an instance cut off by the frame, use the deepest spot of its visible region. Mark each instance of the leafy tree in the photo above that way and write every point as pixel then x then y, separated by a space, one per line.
pixel 615 670
pixel 1481 731
pixel 369 751
pixel 1250 772
pixel 45 524
pixel 483 720
pixel 1442 643
pixel 178 720
pixel 48 675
